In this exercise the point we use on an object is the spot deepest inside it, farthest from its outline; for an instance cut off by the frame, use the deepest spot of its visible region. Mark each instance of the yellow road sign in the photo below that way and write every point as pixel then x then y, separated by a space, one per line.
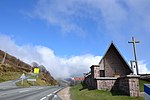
pixel 36 70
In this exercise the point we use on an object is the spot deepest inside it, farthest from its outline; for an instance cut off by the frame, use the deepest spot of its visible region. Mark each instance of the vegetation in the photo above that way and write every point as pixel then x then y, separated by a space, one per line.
pixel 9 76
pixel 85 94
pixel 8 73
pixel 12 68
pixel 26 83
pixel 39 81
pixel 142 82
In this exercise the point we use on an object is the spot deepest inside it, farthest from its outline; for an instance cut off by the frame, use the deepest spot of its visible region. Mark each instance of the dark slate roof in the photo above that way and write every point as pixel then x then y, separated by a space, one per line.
pixel 94 66
pixel 112 46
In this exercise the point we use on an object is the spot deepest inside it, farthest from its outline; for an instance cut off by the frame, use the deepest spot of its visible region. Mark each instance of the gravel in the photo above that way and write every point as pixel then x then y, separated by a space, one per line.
pixel 64 94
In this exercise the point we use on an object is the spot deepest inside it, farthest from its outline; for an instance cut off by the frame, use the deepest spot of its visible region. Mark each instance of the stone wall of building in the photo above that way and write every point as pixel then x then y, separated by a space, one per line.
pixel 130 85
pixel 106 83
pixel 95 71
pixel 114 65
pixel 87 80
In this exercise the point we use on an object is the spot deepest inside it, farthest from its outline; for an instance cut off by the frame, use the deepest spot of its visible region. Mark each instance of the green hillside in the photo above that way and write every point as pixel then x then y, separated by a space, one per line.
pixel 8 73
pixel 12 68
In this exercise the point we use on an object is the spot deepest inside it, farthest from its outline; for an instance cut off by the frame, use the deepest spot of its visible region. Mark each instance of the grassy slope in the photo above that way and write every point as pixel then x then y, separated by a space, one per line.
pixel 142 82
pixel 9 76
pixel 8 73
pixel 85 94
pixel 39 82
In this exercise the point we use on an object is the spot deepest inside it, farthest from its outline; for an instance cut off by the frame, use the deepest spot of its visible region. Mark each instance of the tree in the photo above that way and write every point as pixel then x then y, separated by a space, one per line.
pixel 34 64
pixel 42 68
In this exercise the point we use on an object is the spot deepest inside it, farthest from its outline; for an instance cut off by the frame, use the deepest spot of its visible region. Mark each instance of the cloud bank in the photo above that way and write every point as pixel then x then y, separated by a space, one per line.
pixel 59 67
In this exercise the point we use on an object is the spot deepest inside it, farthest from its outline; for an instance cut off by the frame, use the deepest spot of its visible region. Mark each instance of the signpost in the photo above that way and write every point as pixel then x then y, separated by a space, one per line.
pixel 22 78
pixel 36 70
pixel 32 80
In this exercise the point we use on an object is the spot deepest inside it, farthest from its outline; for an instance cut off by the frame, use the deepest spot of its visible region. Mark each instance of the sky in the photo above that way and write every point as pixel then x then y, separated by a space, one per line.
pixel 68 36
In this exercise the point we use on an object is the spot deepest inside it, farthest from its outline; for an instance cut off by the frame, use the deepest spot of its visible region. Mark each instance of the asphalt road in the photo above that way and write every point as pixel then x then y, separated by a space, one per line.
pixel 32 93
pixel 9 84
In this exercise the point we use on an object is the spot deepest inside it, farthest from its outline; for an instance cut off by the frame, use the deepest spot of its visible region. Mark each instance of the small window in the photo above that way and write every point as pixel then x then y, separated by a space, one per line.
pixel 102 73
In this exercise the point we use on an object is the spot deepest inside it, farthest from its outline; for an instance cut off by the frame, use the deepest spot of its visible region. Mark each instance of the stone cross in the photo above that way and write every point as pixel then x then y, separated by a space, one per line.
pixel 135 56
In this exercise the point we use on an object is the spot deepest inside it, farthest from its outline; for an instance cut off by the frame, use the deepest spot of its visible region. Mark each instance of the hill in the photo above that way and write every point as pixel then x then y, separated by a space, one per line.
pixel 12 68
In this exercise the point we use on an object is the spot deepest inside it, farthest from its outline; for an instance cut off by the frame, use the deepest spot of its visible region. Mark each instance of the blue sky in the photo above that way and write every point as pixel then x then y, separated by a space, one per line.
pixel 75 28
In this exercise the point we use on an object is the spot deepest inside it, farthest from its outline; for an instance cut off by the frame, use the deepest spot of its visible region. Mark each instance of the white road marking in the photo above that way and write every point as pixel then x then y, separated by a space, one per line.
pixel 55 97
pixel 56 91
pixel 23 91
pixel 40 88
pixel 43 98
pixel 49 95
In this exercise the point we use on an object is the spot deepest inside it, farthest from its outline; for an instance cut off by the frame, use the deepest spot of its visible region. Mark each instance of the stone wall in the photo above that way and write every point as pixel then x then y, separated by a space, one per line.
pixel 90 82
pixel 95 71
pixel 106 83
pixel 129 84
pixel 114 65
pixel 87 80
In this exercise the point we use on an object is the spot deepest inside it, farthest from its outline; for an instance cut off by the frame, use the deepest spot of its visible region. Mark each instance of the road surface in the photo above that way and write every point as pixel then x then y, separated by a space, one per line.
pixel 32 93
pixel 9 84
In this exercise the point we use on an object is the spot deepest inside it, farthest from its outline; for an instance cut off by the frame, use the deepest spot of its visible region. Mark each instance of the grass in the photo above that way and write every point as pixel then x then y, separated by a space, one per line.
pixel 7 72
pixel 142 82
pixel 5 76
pixel 26 83
pixel 39 82
pixel 86 94
pixel 32 77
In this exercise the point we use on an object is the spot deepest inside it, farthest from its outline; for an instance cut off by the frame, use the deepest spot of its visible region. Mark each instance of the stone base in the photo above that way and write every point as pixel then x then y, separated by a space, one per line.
pixel 129 84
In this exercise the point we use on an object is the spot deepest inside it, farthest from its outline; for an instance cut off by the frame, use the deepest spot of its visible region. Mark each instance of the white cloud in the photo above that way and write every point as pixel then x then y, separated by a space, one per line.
pixel 143 68
pixel 113 16
pixel 59 67
pixel 58 13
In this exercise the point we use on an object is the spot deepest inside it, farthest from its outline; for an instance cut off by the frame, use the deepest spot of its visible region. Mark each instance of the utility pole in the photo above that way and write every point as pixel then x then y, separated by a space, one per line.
pixel 135 56
pixel 3 61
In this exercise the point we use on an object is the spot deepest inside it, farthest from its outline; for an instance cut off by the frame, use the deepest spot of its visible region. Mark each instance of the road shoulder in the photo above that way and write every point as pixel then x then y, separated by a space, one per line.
pixel 64 94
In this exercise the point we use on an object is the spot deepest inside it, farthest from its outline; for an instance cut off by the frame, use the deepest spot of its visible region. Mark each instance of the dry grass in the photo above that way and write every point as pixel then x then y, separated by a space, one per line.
pixel 39 82
pixel 8 73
